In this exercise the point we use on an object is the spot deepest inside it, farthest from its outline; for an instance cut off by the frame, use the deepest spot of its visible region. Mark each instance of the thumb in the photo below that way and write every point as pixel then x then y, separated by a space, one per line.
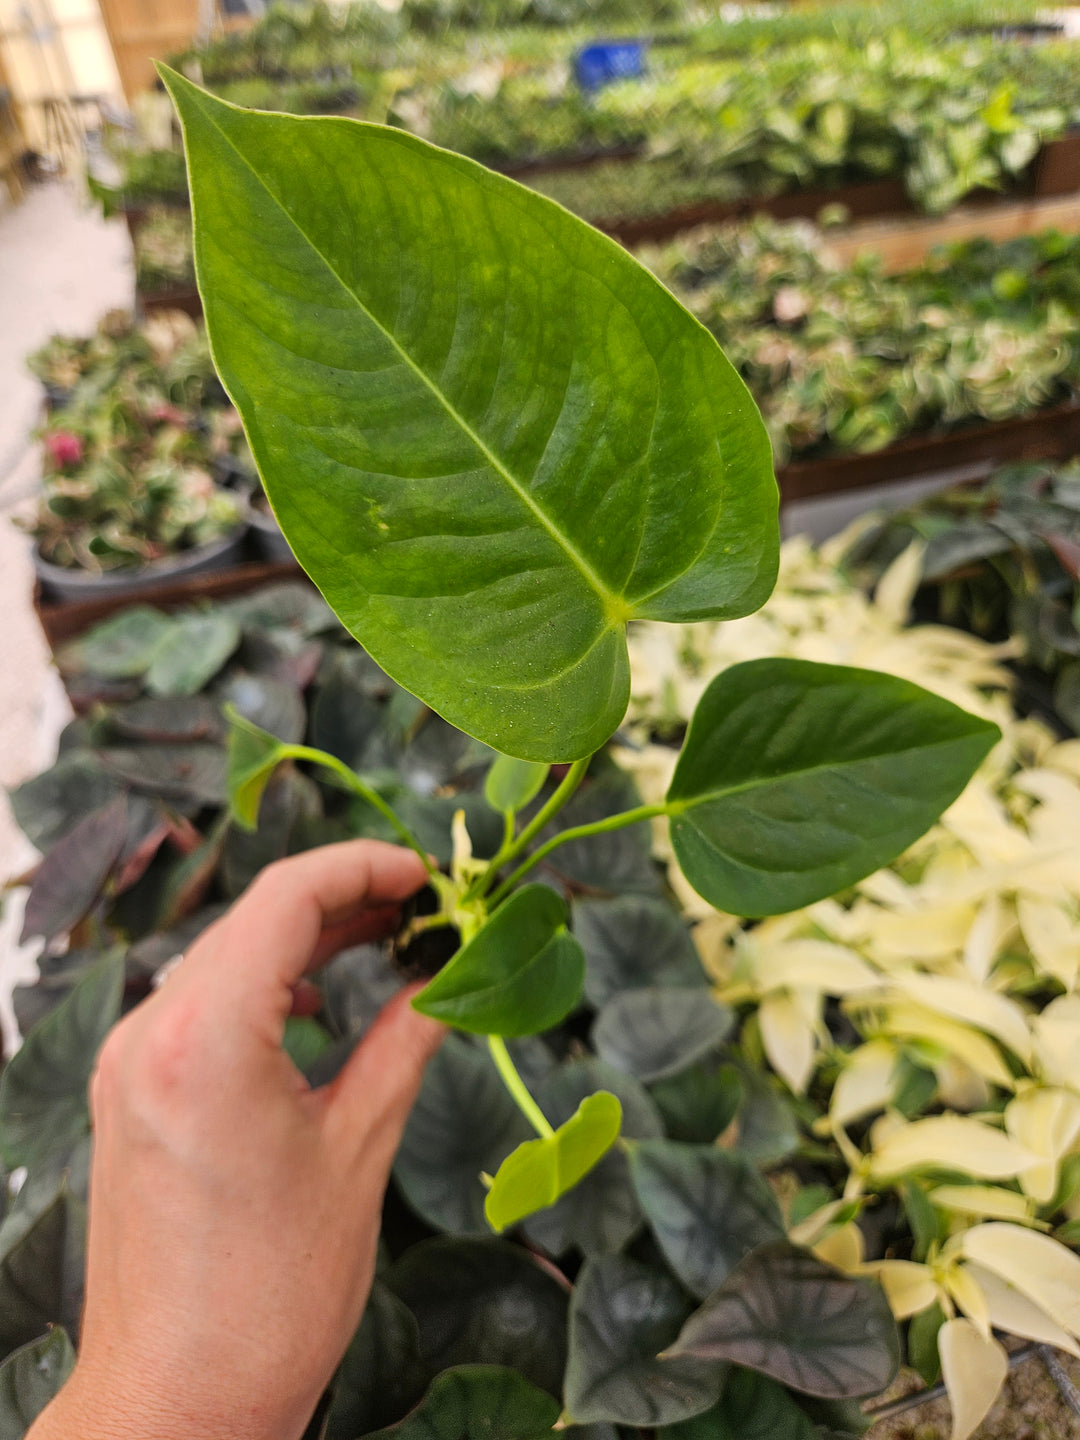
pixel 370 1100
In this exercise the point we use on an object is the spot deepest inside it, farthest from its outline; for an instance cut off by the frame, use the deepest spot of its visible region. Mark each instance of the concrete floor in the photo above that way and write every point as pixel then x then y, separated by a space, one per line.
pixel 61 267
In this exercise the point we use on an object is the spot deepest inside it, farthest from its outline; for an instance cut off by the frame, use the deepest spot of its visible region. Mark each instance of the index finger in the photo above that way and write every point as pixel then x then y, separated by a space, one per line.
pixel 270 935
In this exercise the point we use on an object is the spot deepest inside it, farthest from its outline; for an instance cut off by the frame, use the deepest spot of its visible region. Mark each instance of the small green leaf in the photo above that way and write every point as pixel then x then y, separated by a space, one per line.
pixel 44 1113
pixel 622 1315
pixel 513 437
pixel 478 1402
pixel 655 1033
pixel 511 784
pixel 29 1378
pixel 540 1171
pixel 191 653
pixel 708 1208
pixel 253 756
pixel 798 779
pixel 521 974
pixel 922 1343
pixel 787 1314
pixel 305 1040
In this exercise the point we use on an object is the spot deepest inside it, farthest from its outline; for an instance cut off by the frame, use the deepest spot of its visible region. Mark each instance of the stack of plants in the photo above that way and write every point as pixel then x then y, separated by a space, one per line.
pixel 164 260
pixel 137 442
pixel 851 359
pixel 1000 559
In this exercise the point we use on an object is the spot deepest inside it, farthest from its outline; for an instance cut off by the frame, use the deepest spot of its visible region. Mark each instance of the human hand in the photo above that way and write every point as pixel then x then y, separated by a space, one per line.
pixel 234 1211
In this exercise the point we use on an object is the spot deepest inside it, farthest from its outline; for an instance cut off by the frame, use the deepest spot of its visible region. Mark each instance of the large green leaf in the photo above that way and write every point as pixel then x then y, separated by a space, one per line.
pixel 490 436
pixel 44 1112
pixel 752 1407
pixel 633 941
pixel 463 1123
pixel 600 1214
pixel 798 779
pixel 478 1402
pixel 484 1302
pixel 30 1378
pixel 785 1313
pixel 708 1208
pixel 655 1033
pixel 520 974
pixel 382 1375
pixel 622 1315
pixel 541 1171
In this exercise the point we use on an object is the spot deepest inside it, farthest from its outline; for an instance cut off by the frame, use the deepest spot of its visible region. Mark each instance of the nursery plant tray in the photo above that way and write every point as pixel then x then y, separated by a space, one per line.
pixel 1050 434
pixel 64 621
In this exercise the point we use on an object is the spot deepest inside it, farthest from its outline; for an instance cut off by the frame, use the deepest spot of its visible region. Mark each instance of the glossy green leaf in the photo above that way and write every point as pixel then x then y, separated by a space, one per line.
pixel 382 1375
pixel 490 436
pixel 622 1315
pixel 540 1171
pixel 520 974
pixel 785 1313
pixel 191 653
pixel 478 1402
pixel 633 941
pixel 708 1208
pixel 600 1214
pixel 32 1278
pixel 752 1407
pixel 464 1123
pixel 484 1302
pixel 253 756
pixel 798 779
pixel 511 784
pixel 655 1033
pixel 44 1112
pixel 30 1378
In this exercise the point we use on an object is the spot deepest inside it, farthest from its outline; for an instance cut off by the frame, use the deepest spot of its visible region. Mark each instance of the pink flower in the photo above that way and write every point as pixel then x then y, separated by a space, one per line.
pixel 64 448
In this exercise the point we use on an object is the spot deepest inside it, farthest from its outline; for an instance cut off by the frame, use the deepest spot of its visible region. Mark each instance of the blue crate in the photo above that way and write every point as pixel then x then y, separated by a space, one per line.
pixel 598 65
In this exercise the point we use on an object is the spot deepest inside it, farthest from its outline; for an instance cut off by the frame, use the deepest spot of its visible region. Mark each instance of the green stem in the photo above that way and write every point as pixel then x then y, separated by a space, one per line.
pixel 514 1083
pixel 581 832
pixel 358 787
pixel 507 852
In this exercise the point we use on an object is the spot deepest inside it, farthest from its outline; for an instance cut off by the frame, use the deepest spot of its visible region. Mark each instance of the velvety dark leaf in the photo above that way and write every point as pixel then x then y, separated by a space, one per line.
pixel 614 864
pixel 289 799
pixel 519 975
pixel 32 1279
pixel 785 1313
pixel 962 544
pixel 708 1208
pixel 57 977
pixel 348 711
pixel 429 817
pixel 382 1375
pixel 356 985
pixel 169 720
pixel 699 1104
pixel 43 1104
pixel 437 755
pixel 768 1131
pixel 148 955
pixel 798 779
pixel 654 1033
pixel 1067 696
pixel 121 646
pixel 484 1302
pixel 181 772
pixel 581 495
pixel 47 806
pixel 463 1123
pixel 69 880
pixel 622 1315
pixel 633 941
pixel 601 1214
pixel 478 1402
pixel 274 705
pixel 292 604
pixel 192 652
pixel 541 1171
pixel 29 1378
pixel 185 885
pixel 752 1407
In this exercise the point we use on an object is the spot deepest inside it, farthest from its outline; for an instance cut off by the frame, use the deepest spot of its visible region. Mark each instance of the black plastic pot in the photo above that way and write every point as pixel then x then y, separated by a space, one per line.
pixel 61 585
pixel 270 544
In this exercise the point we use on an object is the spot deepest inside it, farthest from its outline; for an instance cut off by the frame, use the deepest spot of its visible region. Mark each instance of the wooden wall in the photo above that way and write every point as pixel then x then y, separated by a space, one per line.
pixel 142 31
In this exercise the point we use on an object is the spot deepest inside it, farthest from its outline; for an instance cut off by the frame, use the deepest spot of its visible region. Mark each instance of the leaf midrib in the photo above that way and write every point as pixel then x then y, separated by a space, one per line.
pixel 616 609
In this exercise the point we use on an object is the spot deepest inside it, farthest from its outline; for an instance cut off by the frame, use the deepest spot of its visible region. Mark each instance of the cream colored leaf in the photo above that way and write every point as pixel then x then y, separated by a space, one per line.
pixel 804 963
pixel 965 1290
pixel 909 1288
pixel 958 1086
pixel 915 1022
pixel 986 938
pixel 1046 1122
pixel 810 1231
pixel 789 1041
pixel 1015 1314
pixel 989 1202
pixel 974 1370
pixel 1052 937
pixel 896 588
pixel 1065 757
pixel 930 933
pixel 844 1248
pixel 1039 1267
pixel 865 1084
pixel 1057 1041
pixel 952 1142
pixel 972 1004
